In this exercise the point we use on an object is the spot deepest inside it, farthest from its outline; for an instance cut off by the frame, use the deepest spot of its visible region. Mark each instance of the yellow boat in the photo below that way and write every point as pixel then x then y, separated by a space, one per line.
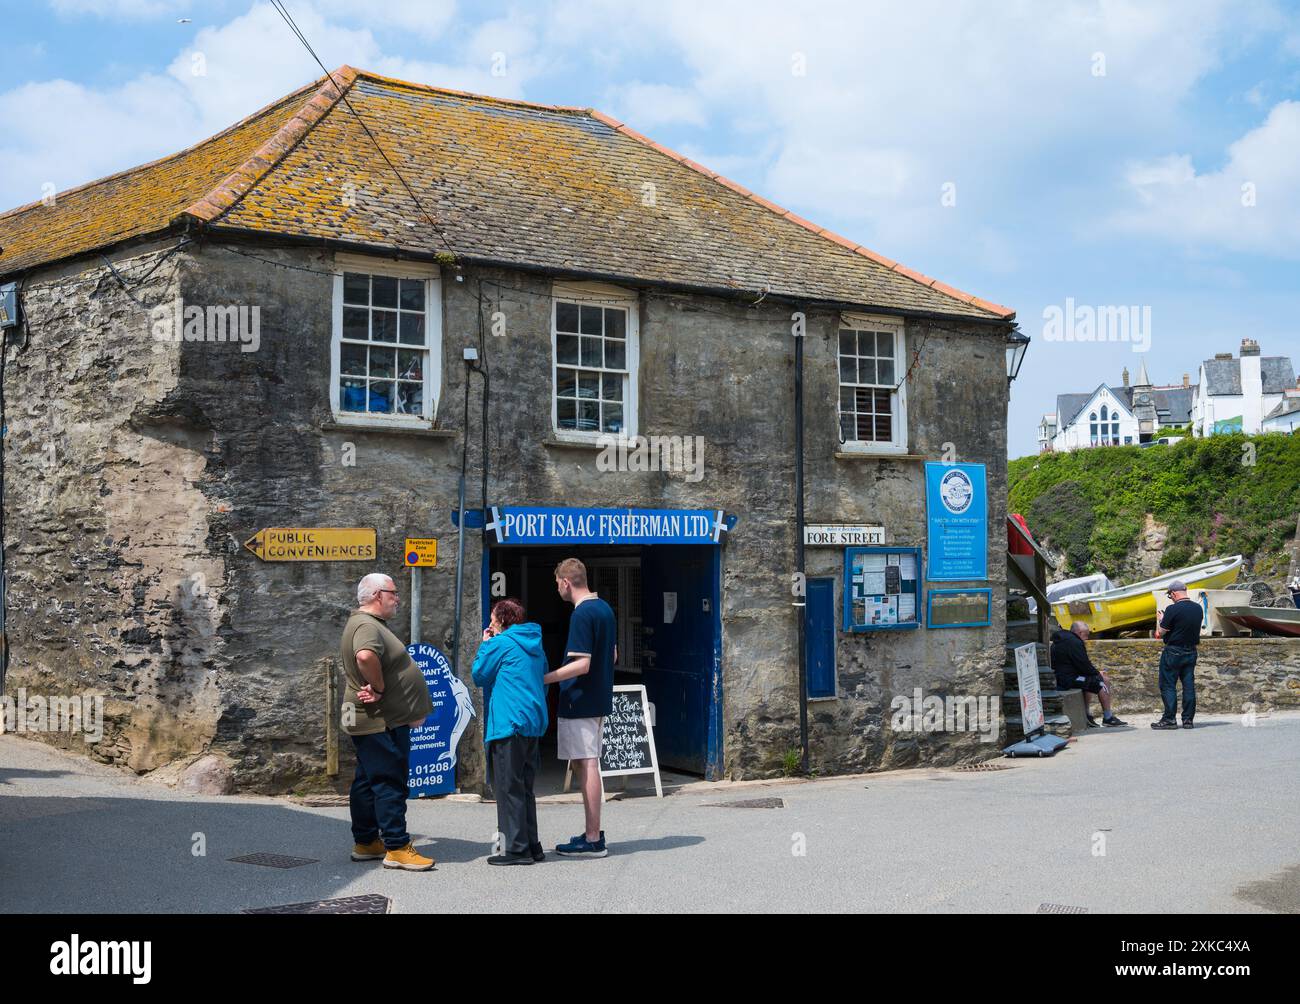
pixel 1135 605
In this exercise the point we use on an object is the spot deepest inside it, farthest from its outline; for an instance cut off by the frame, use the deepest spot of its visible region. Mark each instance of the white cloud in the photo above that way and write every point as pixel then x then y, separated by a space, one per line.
pixel 1251 204
pixel 648 106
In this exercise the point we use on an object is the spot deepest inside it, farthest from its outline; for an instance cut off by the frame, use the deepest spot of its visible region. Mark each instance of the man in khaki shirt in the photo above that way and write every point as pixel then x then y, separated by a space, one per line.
pixel 386 696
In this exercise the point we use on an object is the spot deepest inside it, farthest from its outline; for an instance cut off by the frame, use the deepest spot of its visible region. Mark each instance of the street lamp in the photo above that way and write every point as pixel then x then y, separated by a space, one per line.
pixel 1017 342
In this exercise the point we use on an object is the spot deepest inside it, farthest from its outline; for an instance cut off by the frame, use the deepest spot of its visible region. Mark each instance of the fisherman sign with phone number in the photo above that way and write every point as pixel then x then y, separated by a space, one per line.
pixel 956 506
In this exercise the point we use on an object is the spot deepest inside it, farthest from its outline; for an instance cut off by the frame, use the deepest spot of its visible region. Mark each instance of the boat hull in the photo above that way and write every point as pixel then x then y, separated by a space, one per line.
pixel 1134 606
pixel 1270 620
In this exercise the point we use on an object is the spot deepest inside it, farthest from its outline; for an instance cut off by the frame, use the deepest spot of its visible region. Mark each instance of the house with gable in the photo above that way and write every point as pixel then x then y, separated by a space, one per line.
pixel 1115 416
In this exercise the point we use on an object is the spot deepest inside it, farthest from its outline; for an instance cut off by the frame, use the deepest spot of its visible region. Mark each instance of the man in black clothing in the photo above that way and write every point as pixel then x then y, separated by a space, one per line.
pixel 1074 670
pixel 1180 627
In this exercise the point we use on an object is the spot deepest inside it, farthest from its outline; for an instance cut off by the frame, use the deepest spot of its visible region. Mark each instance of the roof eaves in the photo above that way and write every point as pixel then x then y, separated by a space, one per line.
pixel 241 181
pixel 996 309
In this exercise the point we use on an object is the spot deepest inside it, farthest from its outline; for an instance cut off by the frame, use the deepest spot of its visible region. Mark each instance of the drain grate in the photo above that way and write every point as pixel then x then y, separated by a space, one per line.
pixel 1059 908
pixel 748 803
pixel 272 860
pixel 371 903
pixel 321 801
pixel 986 765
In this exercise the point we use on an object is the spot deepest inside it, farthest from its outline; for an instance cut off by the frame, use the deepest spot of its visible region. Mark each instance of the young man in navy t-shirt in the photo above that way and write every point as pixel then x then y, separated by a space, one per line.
pixel 586 696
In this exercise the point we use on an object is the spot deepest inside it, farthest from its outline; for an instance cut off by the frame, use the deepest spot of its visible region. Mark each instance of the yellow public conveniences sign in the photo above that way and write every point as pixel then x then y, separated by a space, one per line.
pixel 421 552
pixel 322 543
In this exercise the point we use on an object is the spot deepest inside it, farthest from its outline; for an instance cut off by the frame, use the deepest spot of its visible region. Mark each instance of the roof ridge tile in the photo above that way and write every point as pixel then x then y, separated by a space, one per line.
pixel 263 160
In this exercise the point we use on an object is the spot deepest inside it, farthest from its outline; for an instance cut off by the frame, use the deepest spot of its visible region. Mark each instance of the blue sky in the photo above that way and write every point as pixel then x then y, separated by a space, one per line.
pixel 1139 154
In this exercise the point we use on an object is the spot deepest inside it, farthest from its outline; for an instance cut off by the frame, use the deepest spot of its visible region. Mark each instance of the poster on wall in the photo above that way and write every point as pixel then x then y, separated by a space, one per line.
pixel 956 508
pixel 431 768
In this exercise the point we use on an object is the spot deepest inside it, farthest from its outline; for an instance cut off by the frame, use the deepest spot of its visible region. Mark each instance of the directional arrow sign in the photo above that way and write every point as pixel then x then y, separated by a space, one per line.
pixel 322 543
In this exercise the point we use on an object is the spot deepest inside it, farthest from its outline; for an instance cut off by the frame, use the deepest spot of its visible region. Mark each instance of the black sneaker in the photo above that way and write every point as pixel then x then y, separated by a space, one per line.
pixel 536 851
pixel 1163 724
pixel 1092 722
pixel 1112 722
pixel 510 859
pixel 1187 725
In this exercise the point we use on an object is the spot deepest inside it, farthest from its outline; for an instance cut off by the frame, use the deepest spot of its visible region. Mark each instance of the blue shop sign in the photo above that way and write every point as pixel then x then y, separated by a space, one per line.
pixel 956 507
pixel 432 763
pixel 532 525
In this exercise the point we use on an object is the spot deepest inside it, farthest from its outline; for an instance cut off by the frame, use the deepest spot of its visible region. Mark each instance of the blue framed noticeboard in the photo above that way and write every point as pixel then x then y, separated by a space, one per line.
pixel 882 588
pixel 957 517
pixel 952 608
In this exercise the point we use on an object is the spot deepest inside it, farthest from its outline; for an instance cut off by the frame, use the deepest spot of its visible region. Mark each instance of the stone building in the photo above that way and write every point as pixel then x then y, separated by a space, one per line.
pixel 268 329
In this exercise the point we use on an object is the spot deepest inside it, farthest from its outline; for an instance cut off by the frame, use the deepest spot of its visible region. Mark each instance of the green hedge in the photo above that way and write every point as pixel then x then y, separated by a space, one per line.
pixel 1091 503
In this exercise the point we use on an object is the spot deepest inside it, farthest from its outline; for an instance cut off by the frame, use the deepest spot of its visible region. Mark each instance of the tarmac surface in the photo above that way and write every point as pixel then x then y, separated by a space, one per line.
pixel 1201 820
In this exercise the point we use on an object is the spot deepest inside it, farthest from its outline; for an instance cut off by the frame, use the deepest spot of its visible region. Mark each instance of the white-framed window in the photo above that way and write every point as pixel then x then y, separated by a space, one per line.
pixel 594 352
pixel 386 349
pixel 873 391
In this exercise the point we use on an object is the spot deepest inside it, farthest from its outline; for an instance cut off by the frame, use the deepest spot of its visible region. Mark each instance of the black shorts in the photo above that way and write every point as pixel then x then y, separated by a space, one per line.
pixel 1088 684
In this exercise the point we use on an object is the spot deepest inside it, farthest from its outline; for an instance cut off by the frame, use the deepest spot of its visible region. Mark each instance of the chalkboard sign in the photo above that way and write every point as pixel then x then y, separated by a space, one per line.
pixel 627 744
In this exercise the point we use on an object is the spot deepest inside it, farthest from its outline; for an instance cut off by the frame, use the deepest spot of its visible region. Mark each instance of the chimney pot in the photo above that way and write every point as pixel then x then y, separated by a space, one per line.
pixel 1125 377
pixel 1187 380
pixel 1249 347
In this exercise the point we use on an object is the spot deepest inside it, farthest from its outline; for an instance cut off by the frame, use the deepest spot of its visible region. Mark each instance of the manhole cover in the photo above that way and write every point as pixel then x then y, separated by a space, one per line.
pixel 749 803
pixel 989 765
pixel 272 860
pixel 1058 908
pixel 371 903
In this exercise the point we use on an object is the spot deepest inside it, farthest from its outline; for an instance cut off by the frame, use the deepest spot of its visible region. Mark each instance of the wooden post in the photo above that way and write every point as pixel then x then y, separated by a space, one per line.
pixel 1294 571
pixel 331 719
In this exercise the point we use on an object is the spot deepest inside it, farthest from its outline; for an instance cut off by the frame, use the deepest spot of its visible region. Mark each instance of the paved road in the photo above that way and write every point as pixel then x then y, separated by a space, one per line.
pixel 1206 820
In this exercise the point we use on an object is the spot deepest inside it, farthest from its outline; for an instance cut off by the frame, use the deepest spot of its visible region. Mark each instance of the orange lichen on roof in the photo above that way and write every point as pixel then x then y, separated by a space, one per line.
pixel 498 180
pixel 136 202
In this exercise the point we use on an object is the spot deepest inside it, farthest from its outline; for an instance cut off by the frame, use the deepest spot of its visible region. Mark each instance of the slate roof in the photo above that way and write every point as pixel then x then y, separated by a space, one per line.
pixel 1068 406
pixel 1173 404
pixel 1223 376
pixel 1284 407
pixel 507 182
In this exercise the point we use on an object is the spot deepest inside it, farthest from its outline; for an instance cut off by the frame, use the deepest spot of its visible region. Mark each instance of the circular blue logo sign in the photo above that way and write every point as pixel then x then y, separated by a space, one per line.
pixel 956 491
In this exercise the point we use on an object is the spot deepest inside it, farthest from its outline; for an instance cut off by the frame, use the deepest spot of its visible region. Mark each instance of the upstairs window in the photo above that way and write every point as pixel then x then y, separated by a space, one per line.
pixel 873 391
pixel 594 353
pixel 387 345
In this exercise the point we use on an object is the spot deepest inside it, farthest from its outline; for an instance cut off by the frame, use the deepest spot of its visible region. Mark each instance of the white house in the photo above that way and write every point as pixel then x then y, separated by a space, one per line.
pixel 1286 416
pixel 1235 395
pixel 1115 416
pixel 1101 419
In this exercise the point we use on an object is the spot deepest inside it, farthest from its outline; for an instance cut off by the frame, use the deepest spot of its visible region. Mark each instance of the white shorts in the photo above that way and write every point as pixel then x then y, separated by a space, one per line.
pixel 578 738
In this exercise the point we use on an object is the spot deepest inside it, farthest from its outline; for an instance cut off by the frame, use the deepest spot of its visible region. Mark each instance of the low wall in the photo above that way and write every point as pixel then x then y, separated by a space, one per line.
pixel 1230 673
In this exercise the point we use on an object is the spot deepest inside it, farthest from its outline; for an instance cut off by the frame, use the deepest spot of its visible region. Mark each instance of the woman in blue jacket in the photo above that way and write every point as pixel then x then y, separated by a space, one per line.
pixel 509 667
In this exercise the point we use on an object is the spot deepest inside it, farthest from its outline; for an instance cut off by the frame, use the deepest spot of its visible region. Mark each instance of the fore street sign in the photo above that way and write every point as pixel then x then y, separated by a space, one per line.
pixel 321 543
pixel 836 535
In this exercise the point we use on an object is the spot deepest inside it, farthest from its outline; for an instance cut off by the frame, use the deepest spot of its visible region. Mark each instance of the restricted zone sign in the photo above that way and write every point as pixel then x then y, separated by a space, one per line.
pixel 421 552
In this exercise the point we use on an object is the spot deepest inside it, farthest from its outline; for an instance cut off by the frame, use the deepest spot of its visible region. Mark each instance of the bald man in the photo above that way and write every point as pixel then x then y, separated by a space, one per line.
pixel 1075 671
pixel 386 695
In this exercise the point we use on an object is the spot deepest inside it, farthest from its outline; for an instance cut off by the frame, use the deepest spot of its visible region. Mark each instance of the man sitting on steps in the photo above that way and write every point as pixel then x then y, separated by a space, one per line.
pixel 1075 671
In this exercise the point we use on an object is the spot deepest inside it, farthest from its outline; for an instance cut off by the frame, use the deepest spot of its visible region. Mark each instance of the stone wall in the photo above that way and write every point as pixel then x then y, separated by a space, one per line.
pixel 178 453
pixel 1230 673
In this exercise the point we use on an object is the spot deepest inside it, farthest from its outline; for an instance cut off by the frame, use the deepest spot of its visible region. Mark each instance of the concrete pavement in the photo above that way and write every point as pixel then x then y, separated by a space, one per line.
pixel 1123 820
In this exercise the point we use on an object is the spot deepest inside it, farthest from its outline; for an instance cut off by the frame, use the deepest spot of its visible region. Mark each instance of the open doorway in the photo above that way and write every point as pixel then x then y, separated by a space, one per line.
pixel 665 601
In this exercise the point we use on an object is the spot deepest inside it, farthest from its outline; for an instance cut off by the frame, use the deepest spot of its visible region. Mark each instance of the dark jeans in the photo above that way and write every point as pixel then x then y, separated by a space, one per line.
pixel 1178 663
pixel 515 762
pixel 378 797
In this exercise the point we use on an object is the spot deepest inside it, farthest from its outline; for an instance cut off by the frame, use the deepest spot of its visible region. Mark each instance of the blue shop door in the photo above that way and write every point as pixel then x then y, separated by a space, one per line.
pixel 819 637
pixel 677 657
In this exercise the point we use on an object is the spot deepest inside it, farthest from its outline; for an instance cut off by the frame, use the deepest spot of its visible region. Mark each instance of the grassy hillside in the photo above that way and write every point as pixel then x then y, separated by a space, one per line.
pixel 1091 504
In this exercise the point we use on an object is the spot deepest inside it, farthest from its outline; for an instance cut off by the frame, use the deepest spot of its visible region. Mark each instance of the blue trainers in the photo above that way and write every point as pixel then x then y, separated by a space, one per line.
pixel 581 847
